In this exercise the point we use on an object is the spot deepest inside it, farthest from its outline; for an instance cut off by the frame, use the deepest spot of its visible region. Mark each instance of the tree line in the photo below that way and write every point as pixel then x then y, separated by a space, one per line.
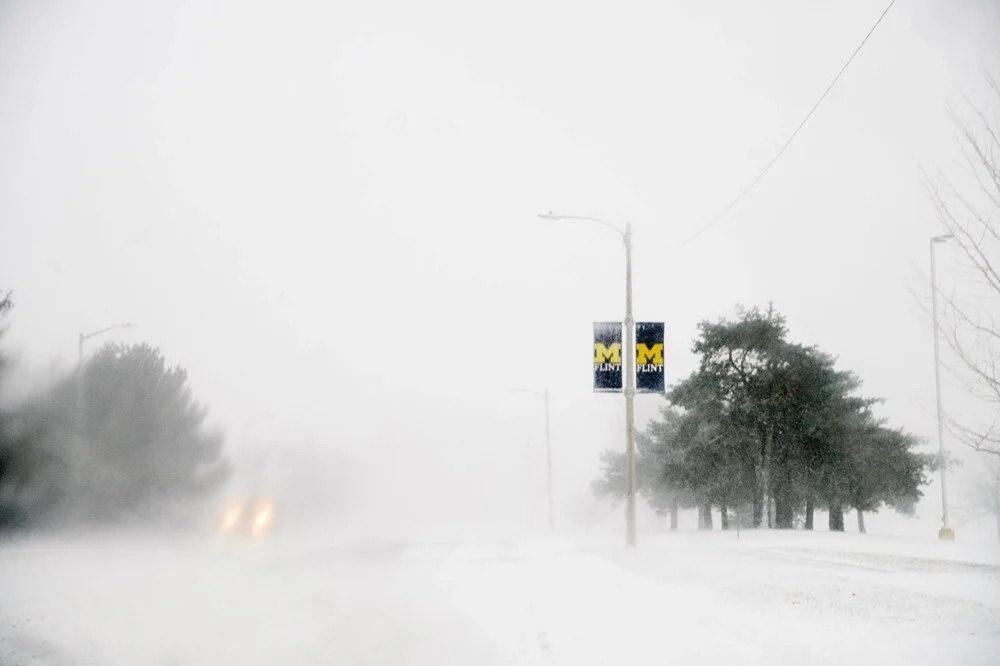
pixel 767 431
pixel 118 439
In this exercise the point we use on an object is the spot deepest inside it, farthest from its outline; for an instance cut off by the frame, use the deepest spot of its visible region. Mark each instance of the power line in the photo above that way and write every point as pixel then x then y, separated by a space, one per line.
pixel 760 176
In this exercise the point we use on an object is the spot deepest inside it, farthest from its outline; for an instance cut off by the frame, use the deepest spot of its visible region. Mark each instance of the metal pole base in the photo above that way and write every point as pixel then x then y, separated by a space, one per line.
pixel 946 534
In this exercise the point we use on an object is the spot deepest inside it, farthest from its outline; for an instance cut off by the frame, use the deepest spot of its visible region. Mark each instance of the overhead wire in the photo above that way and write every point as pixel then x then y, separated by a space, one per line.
pixel 767 167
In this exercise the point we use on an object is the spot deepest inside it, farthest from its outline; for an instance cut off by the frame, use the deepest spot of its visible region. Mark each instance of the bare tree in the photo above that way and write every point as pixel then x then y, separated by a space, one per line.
pixel 984 493
pixel 971 319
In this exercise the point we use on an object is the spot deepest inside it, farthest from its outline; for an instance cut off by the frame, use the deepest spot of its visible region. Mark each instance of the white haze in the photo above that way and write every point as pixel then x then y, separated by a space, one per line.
pixel 326 212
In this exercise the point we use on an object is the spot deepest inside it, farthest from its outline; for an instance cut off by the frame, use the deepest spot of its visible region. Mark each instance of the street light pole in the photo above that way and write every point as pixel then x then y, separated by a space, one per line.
pixel 629 368
pixel 629 394
pixel 548 464
pixel 544 394
pixel 946 532
pixel 81 421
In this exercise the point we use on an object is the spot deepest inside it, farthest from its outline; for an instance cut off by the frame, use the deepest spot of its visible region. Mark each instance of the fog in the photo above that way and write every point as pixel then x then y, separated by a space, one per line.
pixel 326 213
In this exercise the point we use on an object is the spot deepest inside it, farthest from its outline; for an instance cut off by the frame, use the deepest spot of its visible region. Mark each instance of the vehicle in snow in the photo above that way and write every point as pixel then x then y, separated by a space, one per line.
pixel 253 518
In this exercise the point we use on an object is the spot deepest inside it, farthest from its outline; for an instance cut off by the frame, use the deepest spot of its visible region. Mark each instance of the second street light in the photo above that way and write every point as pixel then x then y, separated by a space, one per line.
pixel 628 366
pixel 544 394
pixel 946 532
pixel 80 391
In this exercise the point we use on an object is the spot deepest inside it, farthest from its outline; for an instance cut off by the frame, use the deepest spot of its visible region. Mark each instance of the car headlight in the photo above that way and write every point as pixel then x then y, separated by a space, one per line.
pixel 231 518
pixel 263 519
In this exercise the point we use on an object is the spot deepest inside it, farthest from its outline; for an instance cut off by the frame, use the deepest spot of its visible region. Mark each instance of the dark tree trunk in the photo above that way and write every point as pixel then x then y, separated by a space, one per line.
pixel 758 479
pixel 724 517
pixel 674 508
pixel 810 508
pixel 861 522
pixel 783 513
pixel 766 476
pixel 836 518
pixel 705 517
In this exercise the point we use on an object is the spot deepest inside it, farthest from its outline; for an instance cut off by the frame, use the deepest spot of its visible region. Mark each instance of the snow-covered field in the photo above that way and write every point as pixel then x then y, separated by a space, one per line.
pixel 685 598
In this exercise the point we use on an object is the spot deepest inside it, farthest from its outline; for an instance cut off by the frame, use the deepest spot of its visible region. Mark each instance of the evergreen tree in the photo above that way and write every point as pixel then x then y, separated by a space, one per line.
pixel 122 438
pixel 772 425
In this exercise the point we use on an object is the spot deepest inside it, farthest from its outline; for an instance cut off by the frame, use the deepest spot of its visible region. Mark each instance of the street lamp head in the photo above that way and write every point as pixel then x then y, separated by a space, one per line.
pixel 942 238
pixel 85 336
pixel 582 218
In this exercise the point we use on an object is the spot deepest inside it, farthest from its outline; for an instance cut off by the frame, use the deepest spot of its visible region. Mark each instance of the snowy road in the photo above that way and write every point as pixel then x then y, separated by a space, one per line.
pixel 680 598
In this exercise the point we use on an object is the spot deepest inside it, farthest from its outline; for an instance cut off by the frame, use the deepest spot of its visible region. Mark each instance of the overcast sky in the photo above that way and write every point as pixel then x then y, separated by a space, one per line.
pixel 327 212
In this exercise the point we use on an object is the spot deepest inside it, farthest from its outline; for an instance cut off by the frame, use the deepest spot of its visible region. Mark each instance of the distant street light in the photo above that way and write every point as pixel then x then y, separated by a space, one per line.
pixel 626 236
pixel 87 336
pixel 946 532
pixel 544 394
pixel 80 412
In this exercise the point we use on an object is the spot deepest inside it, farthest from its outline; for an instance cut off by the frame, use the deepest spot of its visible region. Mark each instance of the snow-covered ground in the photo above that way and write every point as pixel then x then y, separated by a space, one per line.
pixel 685 598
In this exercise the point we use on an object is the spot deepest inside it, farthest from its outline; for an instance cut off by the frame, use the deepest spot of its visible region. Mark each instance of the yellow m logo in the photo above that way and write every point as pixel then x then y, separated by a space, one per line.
pixel 608 353
pixel 649 355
